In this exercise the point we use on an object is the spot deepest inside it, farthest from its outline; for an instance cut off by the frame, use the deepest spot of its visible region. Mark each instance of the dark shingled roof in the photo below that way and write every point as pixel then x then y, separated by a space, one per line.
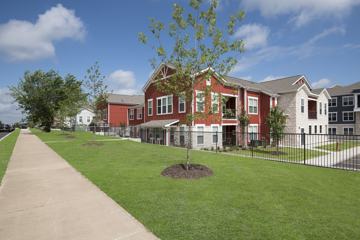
pixel 125 99
pixel 344 90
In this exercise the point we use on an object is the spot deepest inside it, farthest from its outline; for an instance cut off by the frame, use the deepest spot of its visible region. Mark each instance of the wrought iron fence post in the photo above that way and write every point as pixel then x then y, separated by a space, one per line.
pixel 304 137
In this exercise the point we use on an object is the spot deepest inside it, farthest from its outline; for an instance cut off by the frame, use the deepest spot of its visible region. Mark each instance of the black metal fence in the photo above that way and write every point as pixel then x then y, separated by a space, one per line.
pixel 323 150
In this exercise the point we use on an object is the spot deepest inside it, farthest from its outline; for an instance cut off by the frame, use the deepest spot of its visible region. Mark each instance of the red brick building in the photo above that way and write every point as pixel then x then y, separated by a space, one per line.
pixel 164 115
pixel 118 106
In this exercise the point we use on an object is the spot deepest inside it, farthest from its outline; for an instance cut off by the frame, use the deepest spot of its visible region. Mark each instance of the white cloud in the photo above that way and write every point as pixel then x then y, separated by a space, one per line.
pixel 8 109
pixel 254 35
pixel 300 51
pixel 123 82
pixel 322 83
pixel 271 77
pixel 303 11
pixel 23 40
pixel 352 46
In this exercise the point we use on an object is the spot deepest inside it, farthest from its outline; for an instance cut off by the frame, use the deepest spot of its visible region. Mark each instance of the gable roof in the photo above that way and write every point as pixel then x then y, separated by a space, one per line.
pixel 283 85
pixel 252 86
pixel 125 99
pixel 344 90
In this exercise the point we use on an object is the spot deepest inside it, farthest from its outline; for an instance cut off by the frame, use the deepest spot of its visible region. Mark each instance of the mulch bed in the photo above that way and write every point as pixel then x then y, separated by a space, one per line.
pixel 179 171
pixel 93 144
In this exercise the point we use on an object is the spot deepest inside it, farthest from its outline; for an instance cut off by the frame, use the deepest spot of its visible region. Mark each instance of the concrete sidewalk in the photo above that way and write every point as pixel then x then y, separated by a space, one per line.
pixel 43 197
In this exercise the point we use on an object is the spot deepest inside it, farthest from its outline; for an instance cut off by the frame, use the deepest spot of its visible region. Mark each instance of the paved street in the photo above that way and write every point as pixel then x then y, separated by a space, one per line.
pixel 3 134
pixel 43 197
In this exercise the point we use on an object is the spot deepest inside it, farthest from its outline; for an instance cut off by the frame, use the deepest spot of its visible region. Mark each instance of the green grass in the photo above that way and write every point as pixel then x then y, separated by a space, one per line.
pixel 287 153
pixel 6 148
pixel 244 199
pixel 343 145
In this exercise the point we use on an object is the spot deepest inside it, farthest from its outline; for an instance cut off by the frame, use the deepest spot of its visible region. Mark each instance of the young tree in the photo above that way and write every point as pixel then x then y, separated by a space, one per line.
pixel 196 43
pixel 276 121
pixel 75 99
pixel 41 95
pixel 244 123
pixel 96 91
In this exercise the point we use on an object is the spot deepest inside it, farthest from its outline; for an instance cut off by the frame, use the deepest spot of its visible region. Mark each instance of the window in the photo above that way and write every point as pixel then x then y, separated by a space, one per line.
pixel 309 129
pixel 333 102
pixel 253 132
pixel 200 101
pixel 332 131
pixel 131 114
pixel 80 119
pixel 215 130
pixel 320 129
pixel 88 119
pixel 215 102
pixel 200 135
pixel 253 105
pixel 208 81
pixel 332 116
pixel 150 107
pixel 182 136
pixel 182 105
pixel 348 131
pixel 164 105
pixel 348 116
pixel 139 113
pixel 325 108
pixel 348 100
pixel 315 129
pixel 320 108
pixel 302 105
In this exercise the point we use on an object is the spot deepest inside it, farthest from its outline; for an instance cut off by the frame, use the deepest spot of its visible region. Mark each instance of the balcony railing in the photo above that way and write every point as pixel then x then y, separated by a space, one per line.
pixel 312 115
pixel 229 114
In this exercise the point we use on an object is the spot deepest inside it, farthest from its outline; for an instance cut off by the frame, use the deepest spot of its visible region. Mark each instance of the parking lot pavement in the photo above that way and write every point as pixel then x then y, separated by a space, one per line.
pixel 3 134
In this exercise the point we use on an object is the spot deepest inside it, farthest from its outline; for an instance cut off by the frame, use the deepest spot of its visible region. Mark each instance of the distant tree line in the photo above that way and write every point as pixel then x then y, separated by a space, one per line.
pixel 47 98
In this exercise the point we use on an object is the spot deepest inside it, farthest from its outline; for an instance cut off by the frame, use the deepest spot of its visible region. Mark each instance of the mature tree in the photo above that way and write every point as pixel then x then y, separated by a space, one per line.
pixel 196 42
pixel 41 95
pixel 74 99
pixel 276 121
pixel 96 91
pixel 244 121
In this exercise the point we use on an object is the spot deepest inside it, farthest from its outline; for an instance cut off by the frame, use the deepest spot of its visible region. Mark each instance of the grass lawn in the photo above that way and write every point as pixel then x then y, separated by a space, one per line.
pixel 6 148
pixel 244 199
pixel 288 153
pixel 343 145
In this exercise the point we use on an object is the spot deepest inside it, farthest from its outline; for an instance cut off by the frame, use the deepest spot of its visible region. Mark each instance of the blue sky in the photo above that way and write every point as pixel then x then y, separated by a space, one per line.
pixel 320 39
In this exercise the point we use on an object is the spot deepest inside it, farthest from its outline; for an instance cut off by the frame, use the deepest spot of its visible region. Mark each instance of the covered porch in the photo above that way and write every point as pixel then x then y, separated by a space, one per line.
pixel 157 131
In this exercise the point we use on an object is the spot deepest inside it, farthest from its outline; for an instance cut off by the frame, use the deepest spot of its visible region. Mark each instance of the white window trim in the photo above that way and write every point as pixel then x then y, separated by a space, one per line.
pixel 335 98
pixel 196 101
pixel 131 114
pixel 218 131
pixel 172 108
pixel 347 97
pixel 320 108
pixel 218 103
pixel 152 106
pixel 335 116
pixel 197 126
pixel 302 104
pixel 179 105
pixel 257 109
pixel 137 113
pixel 348 130
pixel 348 120
pixel 257 132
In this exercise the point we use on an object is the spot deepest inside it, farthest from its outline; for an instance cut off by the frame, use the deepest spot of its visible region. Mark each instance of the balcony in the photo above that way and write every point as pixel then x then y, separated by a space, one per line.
pixel 229 114
pixel 312 115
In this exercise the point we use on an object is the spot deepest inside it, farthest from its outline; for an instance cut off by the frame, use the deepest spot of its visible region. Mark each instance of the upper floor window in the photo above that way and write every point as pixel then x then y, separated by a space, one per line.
pixel 164 105
pixel 200 101
pixel 333 102
pixel 139 113
pixel 320 108
pixel 215 102
pixel 348 116
pixel 325 108
pixel 348 100
pixel 131 114
pixel 182 105
pixel 208 81
pixel 302 105
pixel 80 119
pixel 332 116
pixel 253 105
pixel 150 107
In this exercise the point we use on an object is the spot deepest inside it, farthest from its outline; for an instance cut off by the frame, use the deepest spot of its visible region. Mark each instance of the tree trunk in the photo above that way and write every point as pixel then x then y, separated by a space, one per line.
pixel 188 147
